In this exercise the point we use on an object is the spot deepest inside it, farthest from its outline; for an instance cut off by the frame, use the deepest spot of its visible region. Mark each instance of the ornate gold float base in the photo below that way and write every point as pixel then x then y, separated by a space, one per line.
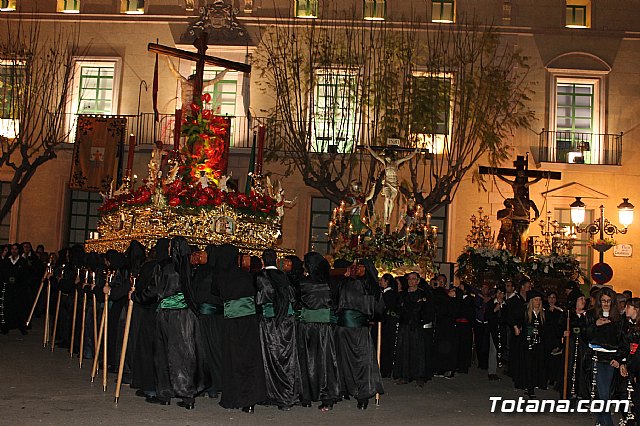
pixel 217 225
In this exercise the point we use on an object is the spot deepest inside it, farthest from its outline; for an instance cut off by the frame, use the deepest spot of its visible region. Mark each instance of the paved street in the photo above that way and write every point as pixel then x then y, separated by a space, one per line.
pixel 39 387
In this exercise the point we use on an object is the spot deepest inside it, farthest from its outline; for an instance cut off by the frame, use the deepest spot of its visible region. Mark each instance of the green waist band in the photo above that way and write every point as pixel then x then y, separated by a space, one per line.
pixel 269 312
pixel 315 315
pixel 173 302
pixel 211 309
pixel 352 319
pixel 237 308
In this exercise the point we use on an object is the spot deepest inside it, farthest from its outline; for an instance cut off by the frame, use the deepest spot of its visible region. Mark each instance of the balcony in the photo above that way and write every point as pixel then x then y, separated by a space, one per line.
pixel 579 148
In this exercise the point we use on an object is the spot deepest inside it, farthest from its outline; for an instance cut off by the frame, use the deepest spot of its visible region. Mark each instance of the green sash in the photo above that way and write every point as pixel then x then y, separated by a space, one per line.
pixel 315 315
pixel 269 312
pixel 352 319
pixel 238 308
pixel 173 302
pixel 210 309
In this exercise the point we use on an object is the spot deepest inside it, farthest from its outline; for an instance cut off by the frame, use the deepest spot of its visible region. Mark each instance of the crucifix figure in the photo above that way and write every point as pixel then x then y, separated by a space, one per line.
pixel 201 59
pixel 520 205
pixel 390 184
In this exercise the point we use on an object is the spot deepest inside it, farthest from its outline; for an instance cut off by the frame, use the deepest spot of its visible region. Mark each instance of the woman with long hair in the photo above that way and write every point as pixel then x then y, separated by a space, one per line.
pixel 603 333
pixel 531 330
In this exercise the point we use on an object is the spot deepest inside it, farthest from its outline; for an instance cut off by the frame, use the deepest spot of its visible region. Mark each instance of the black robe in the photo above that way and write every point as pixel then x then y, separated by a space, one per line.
pixel 554 325
pixel 316 342
pixel 359 371
pixel 579 368
pixel 465 321
pixel 211 322
pixel 531 372
pixel 389 332
pixel 14 293
pixel 414 351
pixel 446 343
pixel 243 382
pixel 175 354
pixel 498 328
pixel 515 311
pixel 278 337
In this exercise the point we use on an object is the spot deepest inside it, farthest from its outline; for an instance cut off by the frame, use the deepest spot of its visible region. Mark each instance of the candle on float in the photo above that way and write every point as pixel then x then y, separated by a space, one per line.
pixel 177 129
pixel 260 151
pixel 428 219
pixel 132 150
pixel 86 276
pixel 434 230
pixel 426 231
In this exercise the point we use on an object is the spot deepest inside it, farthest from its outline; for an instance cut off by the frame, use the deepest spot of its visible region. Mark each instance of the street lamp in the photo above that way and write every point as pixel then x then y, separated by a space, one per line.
pixel 602 226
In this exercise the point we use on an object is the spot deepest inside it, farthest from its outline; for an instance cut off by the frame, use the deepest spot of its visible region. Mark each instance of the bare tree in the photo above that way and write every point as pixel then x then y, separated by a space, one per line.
pixel 37 70
pixel 457 91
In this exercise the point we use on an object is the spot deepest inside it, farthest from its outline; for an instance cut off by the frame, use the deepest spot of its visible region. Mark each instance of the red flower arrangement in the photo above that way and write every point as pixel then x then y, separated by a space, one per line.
pixel 139 197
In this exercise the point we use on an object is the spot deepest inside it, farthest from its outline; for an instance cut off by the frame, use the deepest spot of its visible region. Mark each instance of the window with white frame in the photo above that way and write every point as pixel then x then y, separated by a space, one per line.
pixel 431 111
pixel 335 106
pixel 95 89
pixel 581 249
pixel 321 209
pixel 306 8
pixel 443 11
pixel 224 96
pixel 83 217
pixel 132 7
pixel 12 80
pixel 576 120
pixel 69 6
pixel 578 14
pixel 375 10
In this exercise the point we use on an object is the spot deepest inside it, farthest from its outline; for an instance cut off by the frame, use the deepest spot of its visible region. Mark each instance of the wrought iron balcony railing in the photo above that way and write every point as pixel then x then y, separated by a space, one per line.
pixel 580 148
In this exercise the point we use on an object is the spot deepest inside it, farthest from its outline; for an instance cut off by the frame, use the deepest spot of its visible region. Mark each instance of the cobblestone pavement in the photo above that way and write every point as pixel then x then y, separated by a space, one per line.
pixel 40 387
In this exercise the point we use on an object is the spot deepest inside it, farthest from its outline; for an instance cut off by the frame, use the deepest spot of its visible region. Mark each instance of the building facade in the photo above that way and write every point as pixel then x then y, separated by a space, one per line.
pixel 585 72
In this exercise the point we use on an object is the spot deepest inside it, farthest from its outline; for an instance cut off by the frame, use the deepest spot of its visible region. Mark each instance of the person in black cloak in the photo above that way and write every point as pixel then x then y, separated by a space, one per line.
pixel 95 266
pixel 389 291
pixel 175 355
pixel 297 270
pixel 211 308
pixel 142 365
pixel 532 370
pixel 577 380
pixel 555 323
pixel 414 350
pixel 119 288
pixel 316 344
pixel 465 318
pixel 14 303
pixel 445 341
pixel 64 280
pixel 359 371
pixel 243 382
pixel 495 315
pixel 278 334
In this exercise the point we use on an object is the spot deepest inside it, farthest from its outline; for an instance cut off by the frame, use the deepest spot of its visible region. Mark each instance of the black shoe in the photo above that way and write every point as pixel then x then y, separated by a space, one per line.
pixel 362 405
pixel 345 396
pixel 24 331
pixel 325 407
pixel 156 400
pixel 213 395
pixel 530 393
pixel 420 383
pixel 187 405
pixel 449 375
pixel 140 392
pixel 306 404
pixel 249 410
pixel 284 408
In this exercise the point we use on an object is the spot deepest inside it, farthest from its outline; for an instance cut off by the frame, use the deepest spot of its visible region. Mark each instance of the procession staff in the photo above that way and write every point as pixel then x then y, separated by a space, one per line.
pixel 55 322
pixel 74 315
pixel 106 290
pixel 35 302
pixel 84 316
pixel 125 339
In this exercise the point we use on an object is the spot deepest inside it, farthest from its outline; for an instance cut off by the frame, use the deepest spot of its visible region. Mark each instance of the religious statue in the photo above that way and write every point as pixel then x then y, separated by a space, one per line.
pixel 505 235
pixel 356 206
pixel 187 84
pixel 281 201
pixel 390 183
pixel 157 165
pixel 222 183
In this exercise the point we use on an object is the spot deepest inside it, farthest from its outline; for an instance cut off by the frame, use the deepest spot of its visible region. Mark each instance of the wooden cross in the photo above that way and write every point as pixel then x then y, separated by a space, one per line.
pixel 201 59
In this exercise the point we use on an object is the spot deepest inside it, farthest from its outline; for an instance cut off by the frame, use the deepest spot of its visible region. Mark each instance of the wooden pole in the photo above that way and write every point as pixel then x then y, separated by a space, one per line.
pixel 379 349
pixel 73 321
pixel 567 342
pixel 104 341
pixel 96 356
pixel 84 316
pixel 35 302
pixel 45 339
pixel 55 322
pixel 125 341
pixel 95 324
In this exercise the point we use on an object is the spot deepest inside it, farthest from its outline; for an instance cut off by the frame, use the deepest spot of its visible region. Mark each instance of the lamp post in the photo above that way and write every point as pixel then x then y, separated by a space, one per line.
pixel 602 226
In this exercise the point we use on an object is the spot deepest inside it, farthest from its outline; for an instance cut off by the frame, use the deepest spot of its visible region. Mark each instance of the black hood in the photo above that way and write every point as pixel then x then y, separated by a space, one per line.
pixel 162 249
pixel 317 267
pixel 180 252
pixel 371 276
pixel 297 269
pixel 95 261
pixel 116 260
pixel 136 255
pixel 226 257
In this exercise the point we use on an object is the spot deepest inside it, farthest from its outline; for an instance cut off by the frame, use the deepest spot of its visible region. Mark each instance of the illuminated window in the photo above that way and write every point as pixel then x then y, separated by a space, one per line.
pixel 578 14
pixel 375 10
pixel 96 89
pixel 321 209
pixel 335 110
pixel 69 6
pixel 224 95
pixel 442 10
pixel 84 215
pixel 7 5
pixel 431 111
pixel 12 80
pixel 132 7
pixel 307 8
